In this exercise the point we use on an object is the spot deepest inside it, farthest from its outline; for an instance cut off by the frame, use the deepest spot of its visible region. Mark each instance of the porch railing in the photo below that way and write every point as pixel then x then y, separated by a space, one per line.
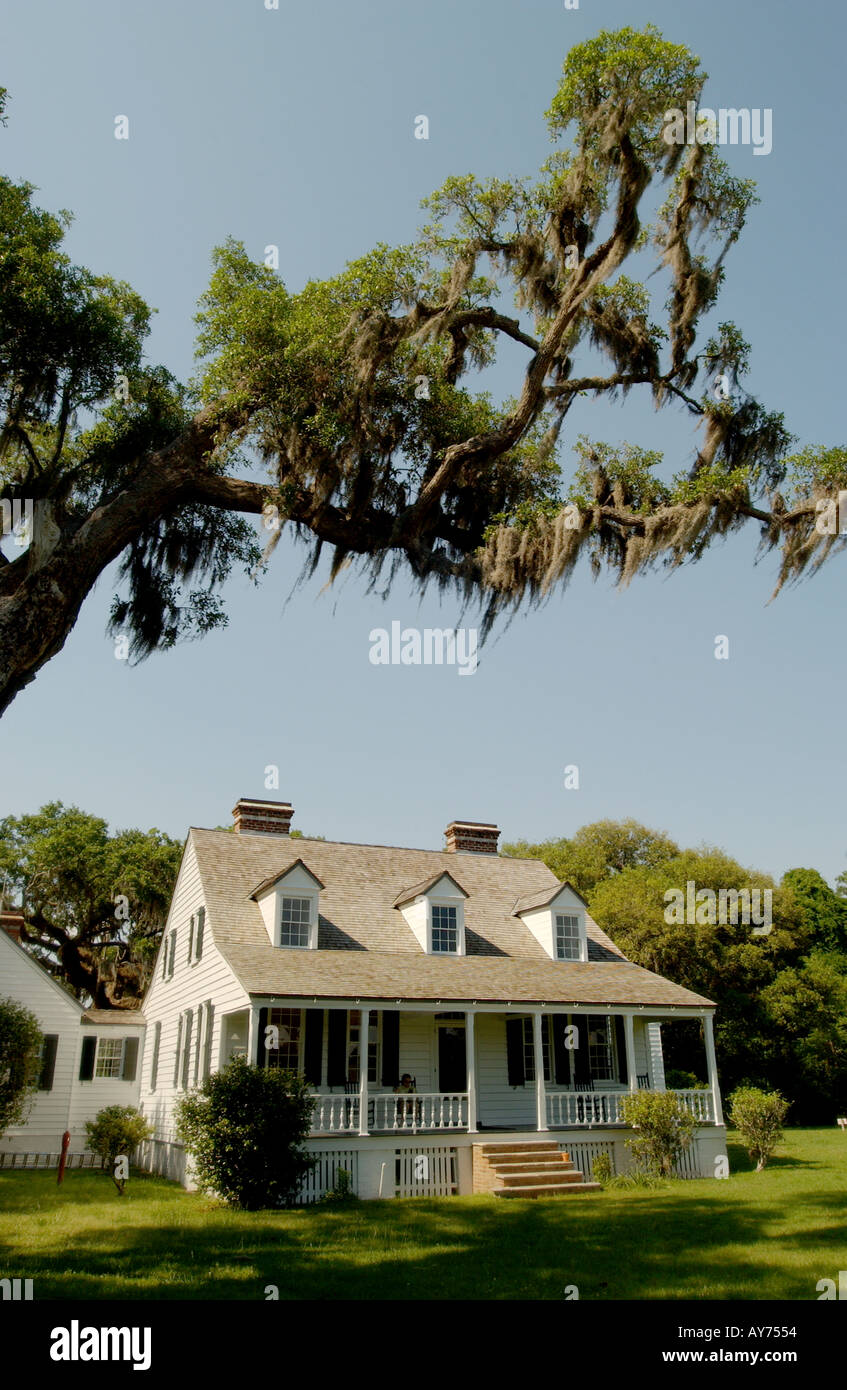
pixel 566 1108
pixel 428 1110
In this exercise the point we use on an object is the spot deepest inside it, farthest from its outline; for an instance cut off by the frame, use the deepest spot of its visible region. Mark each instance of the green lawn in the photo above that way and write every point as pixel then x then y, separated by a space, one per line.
pixel 752 1236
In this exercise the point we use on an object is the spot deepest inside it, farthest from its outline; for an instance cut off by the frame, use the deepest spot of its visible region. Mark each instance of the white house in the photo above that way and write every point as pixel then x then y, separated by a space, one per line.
pixel 90 1059
pixel 481 976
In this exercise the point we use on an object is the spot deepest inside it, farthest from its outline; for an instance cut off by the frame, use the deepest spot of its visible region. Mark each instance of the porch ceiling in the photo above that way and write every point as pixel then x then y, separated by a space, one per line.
pixel 383 975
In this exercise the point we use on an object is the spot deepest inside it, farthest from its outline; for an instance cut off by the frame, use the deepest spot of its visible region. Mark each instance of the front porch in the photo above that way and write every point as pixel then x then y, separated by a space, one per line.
pixel 483 1069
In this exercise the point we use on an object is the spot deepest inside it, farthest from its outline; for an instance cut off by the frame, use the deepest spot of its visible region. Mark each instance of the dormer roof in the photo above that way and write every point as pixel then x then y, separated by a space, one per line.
pixel 283 873
pixel 533 902
pixel 418 889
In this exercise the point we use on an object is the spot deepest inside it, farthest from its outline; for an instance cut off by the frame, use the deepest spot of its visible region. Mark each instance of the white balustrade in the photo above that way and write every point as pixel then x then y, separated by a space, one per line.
pixel 577 1108
pixel 425 1110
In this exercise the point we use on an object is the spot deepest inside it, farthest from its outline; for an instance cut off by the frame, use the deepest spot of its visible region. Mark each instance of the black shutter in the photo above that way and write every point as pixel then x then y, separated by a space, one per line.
pixel 515 1052
pixel 261 1052
pixel 313 1050
pixel 198 942
pixel 336 1061
pixel 154 1068
pixel 48 1061
pixel 86 1063
pixel 130 1059
pixel 178 1050
pixel 191 941
pixel 210 1025
pixel 390 1047
pixel 561 1060
pixel 620 1036
pixel 581 1059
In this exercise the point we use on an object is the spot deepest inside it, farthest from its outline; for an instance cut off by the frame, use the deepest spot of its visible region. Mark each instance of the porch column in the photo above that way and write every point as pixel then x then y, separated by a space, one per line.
pixel 629 1040
pixel 470 1052
pixel 712 1063
pixel 364 1046
pixel 540 1092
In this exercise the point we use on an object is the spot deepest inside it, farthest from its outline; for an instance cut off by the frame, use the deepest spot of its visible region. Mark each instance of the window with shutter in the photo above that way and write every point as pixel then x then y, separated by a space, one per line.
pixel 86 1061
pixel 130 1059
pixel 178 1052
pixel 173 955
pixel 48 1061
pixel 198 1028
pixel 207 1051
pixel 186 1050
pixel 109 1057
pixel 198 938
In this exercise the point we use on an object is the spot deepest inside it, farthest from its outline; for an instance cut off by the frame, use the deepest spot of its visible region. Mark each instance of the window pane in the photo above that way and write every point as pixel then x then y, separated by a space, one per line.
pixel 567 936
pixel 600 1049
pixel 108 1057
pixel 287 1055
pixel 296 916
pixel 445 931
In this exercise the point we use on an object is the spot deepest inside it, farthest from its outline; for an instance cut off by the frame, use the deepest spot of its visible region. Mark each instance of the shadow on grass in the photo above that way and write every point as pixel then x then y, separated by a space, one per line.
pixel 658 1244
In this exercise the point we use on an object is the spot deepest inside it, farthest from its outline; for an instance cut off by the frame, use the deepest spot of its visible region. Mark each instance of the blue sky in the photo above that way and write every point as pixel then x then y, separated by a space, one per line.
pixel 295 127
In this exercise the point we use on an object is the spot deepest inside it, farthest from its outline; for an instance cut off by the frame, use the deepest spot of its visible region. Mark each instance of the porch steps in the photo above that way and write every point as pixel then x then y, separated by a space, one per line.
pixel 527 1168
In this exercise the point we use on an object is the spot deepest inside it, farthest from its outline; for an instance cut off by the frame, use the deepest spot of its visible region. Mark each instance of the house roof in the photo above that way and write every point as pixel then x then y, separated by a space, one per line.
pixel 366 949
pixel 120 1018
pixel 275 878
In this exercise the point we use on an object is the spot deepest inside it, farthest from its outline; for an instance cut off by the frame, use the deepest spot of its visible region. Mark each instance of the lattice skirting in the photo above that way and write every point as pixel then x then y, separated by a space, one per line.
pixel 324 1176
pixel 431 1172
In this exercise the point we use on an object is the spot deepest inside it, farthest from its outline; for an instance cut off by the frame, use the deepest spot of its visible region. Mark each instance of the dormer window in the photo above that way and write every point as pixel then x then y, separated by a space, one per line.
pixel 295 921
pixel 289 904
pixel 435 911
pixel 556 916
pixel 568 936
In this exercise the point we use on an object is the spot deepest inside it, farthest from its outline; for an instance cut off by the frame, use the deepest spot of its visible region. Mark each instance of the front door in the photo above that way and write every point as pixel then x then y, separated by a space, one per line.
pixel 452 1059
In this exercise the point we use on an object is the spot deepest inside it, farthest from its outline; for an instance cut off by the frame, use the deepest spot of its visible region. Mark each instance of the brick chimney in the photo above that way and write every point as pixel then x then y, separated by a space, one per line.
pixel 470 837
pixel 262 817
pixel 11 922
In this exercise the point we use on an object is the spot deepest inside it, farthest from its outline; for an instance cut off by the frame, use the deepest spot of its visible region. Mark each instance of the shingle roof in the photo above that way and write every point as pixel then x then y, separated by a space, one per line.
pixel 119 1017
pixel 407 894
pixel 367 949
pixel 545 896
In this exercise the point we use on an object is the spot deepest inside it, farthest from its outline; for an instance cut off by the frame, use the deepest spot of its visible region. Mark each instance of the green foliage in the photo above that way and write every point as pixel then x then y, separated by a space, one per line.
pixel 343 1192
pixel 824 911
pixel 116 1130
pixel 21 1040
pixel 758 1116
pixel 95 903
pixel 683 1081
pixel 663 1129
pixel 601 1169
pixel 245 1129
pixel 598 852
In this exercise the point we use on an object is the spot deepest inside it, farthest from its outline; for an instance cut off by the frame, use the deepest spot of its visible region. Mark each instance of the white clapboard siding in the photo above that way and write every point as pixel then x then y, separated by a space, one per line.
pixel 417 1050
pixel 90 1097
pixel 25 981
pixel 499 1103
pixel 192 985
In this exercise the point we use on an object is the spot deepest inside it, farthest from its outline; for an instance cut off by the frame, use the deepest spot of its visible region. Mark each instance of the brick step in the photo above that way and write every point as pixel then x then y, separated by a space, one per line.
pixel 548 1189
pixel 541 1175
pixel 529 1146
pixel 504 1163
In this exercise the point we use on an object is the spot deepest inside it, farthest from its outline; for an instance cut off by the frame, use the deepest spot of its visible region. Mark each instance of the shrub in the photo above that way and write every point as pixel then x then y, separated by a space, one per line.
pixel 758 1117
pixel 21 1040
pixel 664 1129
pixel 116 1131
pixel 244 1128
pixel 343 1190
pixel 601 1169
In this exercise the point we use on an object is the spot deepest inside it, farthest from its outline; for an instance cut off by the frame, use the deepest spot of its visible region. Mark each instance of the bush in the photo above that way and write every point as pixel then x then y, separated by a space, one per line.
pixel 21 1040
pixel 343 1190
pixel 601 1169
pixel 664 1129
pixel 758 1117
pixel 244 1128
pixel 115 1132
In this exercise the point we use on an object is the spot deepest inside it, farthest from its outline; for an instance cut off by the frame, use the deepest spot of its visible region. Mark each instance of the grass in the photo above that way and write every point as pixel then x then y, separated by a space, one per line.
pixel 769 1235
